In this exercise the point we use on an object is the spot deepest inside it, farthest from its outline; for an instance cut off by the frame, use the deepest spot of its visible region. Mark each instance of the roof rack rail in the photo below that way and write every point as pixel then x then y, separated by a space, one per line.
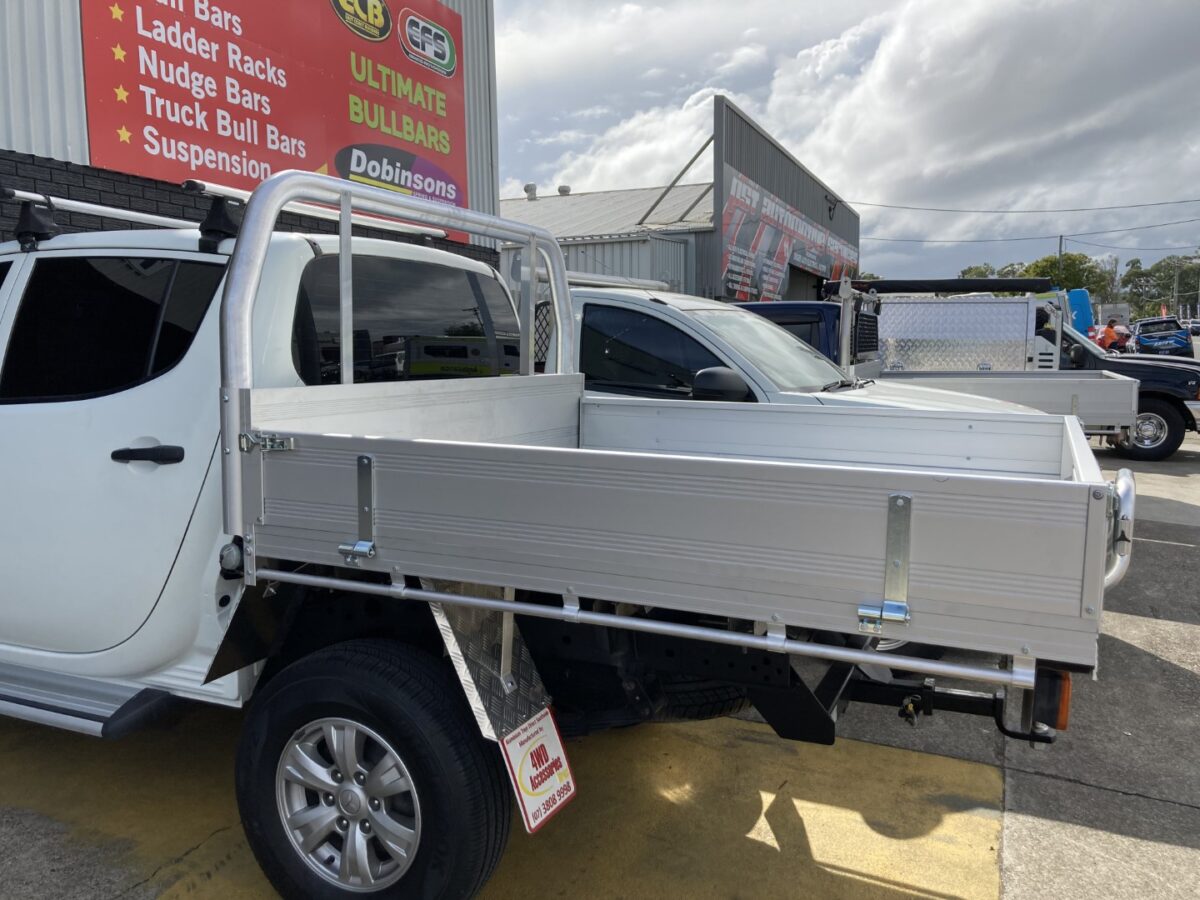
pixel 946 285
pixel 316 210
pixel 34 209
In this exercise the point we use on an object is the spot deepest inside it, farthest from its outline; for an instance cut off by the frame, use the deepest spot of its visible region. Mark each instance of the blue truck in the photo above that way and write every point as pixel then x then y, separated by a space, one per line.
pixel 1162 336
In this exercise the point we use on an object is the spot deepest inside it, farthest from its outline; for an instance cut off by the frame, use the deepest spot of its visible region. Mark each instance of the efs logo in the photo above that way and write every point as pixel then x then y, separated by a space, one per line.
pixel 428 43
pixel 368 19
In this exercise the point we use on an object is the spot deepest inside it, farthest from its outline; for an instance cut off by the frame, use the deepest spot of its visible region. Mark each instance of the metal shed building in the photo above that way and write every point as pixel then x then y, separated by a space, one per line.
pixel 608 233
pixel 764 228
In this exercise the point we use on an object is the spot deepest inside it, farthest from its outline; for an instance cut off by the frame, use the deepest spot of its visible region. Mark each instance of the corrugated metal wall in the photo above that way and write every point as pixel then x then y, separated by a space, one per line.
pixel 41 76
pixel 651 257
pixel 756 155
pixel 483 143
pixel 707 248
pixel 42 108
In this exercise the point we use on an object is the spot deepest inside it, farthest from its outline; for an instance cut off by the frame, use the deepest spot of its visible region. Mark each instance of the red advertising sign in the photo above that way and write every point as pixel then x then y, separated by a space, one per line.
pixel 231 91
pixel 764 237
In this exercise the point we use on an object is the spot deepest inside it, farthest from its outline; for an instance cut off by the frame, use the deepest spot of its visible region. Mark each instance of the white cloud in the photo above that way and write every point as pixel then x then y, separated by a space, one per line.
pixel 568 136
pixel 931 102
pixel 645 149
pixel 592 112
pixel 748 56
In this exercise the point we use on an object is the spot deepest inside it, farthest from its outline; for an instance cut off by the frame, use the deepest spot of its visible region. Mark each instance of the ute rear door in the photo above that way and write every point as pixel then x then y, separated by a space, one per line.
pixel 108 424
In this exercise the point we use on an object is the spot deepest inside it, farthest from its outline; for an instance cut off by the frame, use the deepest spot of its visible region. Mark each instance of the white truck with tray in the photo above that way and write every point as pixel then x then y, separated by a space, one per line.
pixel 393 568
pixel 1002 347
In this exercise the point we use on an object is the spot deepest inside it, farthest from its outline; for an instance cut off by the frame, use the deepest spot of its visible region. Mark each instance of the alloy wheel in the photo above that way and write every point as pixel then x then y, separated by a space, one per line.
pixel 348 805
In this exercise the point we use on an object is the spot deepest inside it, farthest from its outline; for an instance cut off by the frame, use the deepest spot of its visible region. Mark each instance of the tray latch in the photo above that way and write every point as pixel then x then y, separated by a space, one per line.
pixel 353 552
pixel 894 608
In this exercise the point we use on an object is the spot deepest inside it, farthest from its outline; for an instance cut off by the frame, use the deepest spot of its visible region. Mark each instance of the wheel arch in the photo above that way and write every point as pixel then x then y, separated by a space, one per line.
pixel 1189 420
pixel 279 626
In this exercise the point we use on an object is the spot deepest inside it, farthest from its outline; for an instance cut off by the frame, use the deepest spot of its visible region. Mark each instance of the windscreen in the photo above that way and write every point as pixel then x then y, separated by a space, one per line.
pixel 790 363
pixel 1163 326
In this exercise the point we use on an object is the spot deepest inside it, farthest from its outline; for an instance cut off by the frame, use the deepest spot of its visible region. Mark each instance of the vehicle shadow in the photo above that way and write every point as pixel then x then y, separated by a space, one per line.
pixel 1184 461
pixel 1133 730
pixel 727 809
pixel 1163 581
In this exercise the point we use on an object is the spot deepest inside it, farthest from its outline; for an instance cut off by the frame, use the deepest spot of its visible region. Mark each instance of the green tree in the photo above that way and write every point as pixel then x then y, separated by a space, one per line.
pixel 1157 285
pixel 1011 270
pixel 867 276
pixel 1072 270
pixel 982 270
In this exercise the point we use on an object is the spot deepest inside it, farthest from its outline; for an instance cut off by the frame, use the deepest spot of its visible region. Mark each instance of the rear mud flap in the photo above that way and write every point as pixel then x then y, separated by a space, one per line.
pixel 500 700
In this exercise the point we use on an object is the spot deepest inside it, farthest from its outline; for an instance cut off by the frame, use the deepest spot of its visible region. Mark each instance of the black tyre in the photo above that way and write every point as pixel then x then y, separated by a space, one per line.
pixel 1157 433
pixel 690 699
pixel 362 771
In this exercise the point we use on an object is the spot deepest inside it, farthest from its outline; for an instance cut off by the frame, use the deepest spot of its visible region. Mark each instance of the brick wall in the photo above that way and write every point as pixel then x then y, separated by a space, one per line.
pixel 75 182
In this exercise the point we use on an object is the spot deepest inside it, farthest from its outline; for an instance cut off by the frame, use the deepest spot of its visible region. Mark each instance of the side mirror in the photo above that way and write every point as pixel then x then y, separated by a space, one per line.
pixel 720 383
pixel 1078 356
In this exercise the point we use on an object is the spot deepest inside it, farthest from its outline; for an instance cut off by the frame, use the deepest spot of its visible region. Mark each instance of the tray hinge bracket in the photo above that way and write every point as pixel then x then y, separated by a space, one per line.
pixel 894 608
pixel 266 443
pixel 353 552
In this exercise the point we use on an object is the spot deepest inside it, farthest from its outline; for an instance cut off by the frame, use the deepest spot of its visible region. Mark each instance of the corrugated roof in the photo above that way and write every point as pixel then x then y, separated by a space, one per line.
pixel 614 212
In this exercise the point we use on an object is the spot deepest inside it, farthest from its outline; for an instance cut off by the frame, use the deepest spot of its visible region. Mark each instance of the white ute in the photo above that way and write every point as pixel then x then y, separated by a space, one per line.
pixel 315 499
pixel 651 343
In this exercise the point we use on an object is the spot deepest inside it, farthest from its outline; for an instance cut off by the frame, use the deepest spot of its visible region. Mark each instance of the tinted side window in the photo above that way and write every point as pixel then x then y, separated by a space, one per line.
pixel 93 326
pixel 412 320
pixel 4 267
pixel 805 329
pixel 624 349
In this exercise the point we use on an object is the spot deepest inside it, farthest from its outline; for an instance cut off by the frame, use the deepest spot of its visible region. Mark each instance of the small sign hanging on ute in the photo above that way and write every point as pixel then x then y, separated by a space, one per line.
pixel 538 768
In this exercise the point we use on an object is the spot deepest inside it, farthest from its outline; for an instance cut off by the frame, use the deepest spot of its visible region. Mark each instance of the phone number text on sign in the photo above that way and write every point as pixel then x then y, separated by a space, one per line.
pixel 539 770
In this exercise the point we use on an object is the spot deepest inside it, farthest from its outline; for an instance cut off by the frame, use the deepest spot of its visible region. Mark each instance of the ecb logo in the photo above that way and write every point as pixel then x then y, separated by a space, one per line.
pixel 428 43
pixel 369 19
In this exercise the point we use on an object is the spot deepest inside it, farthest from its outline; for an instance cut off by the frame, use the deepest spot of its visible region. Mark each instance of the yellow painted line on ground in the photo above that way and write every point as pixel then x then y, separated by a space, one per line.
pixel 702 810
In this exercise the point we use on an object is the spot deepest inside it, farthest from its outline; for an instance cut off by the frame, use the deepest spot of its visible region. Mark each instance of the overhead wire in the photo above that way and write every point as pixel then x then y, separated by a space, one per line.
pixel 1037 237
pixel 1065 209
pixel 1130 246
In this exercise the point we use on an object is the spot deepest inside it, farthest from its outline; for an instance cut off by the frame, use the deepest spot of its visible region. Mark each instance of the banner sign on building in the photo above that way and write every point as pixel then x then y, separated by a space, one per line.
pixel 763 236
pixel 230 91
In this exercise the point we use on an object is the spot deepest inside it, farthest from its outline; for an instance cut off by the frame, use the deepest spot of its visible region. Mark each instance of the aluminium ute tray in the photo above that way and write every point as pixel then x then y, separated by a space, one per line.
pixel 772 513
pixel 1105 402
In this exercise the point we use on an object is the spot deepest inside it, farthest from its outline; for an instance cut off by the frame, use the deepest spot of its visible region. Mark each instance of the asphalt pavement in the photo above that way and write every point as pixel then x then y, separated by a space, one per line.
pixel 725 809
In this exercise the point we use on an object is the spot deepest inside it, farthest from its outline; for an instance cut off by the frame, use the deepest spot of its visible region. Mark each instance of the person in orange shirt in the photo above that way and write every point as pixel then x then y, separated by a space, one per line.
pixel 1109 335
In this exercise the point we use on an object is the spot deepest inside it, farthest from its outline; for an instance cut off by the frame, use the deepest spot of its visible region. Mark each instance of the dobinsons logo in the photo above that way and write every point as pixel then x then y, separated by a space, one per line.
pixel 369 19
pixel 428 43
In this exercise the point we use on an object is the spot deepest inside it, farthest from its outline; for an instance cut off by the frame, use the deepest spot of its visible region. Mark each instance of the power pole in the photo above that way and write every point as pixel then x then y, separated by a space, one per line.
pixel 1060 275
pixel 1175 292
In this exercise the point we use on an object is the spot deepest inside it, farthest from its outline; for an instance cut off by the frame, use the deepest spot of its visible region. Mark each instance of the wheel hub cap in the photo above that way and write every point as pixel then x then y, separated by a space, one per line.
pixel 1151 430
pixel 348 805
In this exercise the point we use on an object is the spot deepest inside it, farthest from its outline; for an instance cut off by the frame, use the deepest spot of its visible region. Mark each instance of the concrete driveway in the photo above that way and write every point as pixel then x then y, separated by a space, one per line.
pixel 724 809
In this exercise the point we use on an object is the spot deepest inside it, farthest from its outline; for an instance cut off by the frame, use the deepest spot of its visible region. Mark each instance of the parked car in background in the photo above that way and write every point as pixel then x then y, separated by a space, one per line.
pixel 1162 336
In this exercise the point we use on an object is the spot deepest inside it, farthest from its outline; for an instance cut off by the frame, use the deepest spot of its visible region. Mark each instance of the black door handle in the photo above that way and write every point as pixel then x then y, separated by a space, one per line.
pixel 164 454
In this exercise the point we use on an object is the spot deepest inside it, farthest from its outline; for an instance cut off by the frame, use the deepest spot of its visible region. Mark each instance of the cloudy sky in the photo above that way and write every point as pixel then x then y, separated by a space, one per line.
pixel 978 104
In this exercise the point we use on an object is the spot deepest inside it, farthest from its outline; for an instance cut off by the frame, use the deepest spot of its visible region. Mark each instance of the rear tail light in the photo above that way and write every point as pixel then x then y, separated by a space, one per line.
pixel 1052 698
